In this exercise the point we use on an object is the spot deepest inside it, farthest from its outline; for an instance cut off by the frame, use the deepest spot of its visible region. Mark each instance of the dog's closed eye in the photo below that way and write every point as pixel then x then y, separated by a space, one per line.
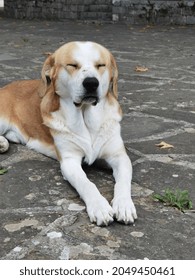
pixel 72 65
pixel 100 65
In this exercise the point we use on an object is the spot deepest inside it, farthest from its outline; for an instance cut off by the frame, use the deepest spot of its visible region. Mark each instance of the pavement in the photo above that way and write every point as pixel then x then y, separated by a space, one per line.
pixel 41 215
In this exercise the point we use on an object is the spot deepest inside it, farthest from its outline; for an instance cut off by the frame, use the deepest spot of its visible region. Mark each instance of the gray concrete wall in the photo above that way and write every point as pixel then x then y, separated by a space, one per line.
pixel 131 11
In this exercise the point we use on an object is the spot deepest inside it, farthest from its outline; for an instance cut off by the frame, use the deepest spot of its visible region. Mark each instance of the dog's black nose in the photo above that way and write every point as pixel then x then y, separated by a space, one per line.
pixel 90 84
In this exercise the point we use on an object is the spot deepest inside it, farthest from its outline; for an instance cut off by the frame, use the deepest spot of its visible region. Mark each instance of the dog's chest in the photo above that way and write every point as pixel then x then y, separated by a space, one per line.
pixel 90 135
pixel 83 132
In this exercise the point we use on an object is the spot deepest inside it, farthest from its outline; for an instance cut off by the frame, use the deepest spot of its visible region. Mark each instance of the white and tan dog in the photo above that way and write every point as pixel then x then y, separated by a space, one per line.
pixel 72 114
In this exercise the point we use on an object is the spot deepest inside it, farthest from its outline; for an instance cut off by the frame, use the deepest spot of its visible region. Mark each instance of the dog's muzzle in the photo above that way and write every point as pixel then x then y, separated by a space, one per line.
pixel 90 97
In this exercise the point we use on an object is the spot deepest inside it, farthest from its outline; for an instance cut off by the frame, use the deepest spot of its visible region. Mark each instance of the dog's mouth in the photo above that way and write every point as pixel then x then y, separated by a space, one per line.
pixel 88 100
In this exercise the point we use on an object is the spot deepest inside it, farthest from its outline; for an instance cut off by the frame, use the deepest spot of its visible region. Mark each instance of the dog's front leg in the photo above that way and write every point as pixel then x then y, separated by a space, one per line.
pixel 98 208
pixel 123 206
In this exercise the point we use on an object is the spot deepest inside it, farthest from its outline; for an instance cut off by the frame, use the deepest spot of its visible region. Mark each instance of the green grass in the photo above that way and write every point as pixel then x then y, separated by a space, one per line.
pixel 2 170
pixel 178 198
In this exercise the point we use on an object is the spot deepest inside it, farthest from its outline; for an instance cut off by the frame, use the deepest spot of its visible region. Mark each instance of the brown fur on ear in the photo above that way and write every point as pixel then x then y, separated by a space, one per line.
pixel 49 103
pixel 50 100
pixel 46 75
pixel 114 77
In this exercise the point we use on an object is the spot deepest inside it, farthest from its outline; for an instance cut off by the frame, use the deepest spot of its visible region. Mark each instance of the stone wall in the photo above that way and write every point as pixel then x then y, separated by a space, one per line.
pixel 154 11
pixel 59 9
pixel 131 11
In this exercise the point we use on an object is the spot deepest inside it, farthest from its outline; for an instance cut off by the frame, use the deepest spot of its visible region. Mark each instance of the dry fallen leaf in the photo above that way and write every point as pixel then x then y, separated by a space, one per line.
pixel 47 53
pixel 141 69
pixel 164 145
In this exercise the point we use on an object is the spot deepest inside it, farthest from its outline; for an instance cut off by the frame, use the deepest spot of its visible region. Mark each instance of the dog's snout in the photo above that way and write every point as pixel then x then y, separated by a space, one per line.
pixel 90 84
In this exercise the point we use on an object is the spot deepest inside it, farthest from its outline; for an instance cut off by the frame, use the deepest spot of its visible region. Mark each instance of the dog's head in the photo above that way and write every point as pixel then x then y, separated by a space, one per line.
pixel 83 72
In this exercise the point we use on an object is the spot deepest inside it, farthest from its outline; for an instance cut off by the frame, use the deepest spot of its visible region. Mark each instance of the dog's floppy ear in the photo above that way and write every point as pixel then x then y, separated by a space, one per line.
pixel 50 100
pixel 46 74
pixel 114 77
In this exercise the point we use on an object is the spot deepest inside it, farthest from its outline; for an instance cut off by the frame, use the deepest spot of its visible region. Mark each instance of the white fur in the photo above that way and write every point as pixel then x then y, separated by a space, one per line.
pixel 88 141
pixel 11 132
pixel 41 148
pixel 92 132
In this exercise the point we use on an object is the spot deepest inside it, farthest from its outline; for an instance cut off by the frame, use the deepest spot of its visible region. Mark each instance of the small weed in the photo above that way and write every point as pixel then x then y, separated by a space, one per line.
pixel 179 199
pixel 25 40
pixel 2 170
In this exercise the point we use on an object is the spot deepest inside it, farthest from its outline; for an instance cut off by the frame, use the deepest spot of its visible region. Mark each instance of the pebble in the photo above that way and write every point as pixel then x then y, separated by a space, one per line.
pixel 17 249
pixel 54 234
pixel 75 207
pixel 35 178
pixel 137 234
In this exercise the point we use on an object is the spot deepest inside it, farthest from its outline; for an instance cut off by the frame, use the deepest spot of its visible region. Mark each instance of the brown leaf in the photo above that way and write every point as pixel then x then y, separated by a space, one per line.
pixel 47 53
pixel 164 145
pixel 141 69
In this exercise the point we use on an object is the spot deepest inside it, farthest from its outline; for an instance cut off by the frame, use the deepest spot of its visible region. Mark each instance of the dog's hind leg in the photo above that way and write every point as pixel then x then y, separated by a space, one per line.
pixel 9 133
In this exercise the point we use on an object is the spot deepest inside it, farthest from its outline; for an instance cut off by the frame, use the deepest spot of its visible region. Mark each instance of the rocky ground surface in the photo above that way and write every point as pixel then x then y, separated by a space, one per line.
pixel 41 216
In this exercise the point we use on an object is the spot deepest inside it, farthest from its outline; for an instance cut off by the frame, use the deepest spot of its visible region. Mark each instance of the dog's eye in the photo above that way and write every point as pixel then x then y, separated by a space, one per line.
pixel 73 65
pixel 101 65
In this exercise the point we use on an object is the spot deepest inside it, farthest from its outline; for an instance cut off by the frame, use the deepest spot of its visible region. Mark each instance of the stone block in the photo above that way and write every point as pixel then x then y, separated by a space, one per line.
pixel 190 19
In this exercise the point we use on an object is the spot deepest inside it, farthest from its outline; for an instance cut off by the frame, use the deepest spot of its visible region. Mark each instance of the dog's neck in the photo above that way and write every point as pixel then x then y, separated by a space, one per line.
pixel 84 115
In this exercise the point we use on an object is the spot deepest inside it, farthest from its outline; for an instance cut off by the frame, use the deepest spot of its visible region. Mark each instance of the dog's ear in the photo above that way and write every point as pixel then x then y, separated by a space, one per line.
pixel 114 77
pixel 46 75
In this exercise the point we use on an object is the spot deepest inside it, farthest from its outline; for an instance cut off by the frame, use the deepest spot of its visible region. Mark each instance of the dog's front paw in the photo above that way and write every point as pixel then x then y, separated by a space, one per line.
pixel 124 209
pixel 100 212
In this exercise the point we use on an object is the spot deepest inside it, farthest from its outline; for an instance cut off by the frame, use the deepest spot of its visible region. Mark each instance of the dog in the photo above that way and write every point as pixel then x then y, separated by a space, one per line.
pixel 72 114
